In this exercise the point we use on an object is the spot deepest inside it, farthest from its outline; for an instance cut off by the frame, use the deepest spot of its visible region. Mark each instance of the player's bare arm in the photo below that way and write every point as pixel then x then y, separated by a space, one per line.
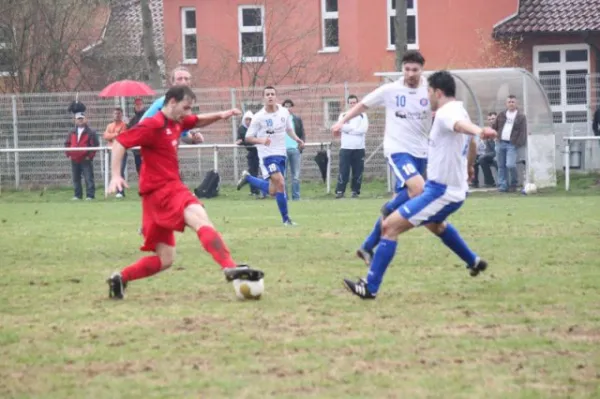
pixel 467 127
pixel 354 112
pixel 208 119
pixel 117 183
pixel 294 137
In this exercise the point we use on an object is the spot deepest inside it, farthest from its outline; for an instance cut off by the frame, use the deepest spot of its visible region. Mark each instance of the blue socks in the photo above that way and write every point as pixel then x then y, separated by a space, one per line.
pixel 400 198
pixel 381 260
pixel 282 204
pixel 261 184
pixel 454 241
pixel 373 238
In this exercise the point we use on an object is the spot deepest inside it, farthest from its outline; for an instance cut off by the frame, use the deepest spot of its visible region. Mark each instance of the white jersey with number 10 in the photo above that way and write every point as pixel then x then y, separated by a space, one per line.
pixel 407 117
pixel 273 125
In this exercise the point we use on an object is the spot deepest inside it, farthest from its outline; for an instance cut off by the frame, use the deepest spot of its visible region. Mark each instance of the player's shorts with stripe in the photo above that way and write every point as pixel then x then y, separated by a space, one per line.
pixel 162 214
pixel 405 166
pixel 434 205
pixel 272 164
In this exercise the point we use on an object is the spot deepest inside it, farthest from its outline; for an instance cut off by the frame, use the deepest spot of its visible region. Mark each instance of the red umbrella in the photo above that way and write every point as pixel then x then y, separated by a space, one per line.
pixel 126 88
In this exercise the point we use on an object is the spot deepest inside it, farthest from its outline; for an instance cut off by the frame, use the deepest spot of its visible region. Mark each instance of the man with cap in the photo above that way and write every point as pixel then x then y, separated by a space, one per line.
pixel 252 157
pixel 81 161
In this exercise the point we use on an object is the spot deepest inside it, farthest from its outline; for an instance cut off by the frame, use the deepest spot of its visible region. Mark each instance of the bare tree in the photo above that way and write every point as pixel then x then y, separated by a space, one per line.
pixel 42 40
pixel 275 47
pixel 148 45
pixel 400 32
pixel 499 53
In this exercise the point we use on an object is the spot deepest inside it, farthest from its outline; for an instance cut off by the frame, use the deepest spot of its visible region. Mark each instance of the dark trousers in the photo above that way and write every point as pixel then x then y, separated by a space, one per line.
pixel 137 156
pixel 351 161
pixel 486 164
pixel 253 168
pixel 85 168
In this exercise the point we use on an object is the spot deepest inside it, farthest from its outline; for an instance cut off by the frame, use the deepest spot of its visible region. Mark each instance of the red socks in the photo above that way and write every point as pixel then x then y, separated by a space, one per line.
pixel 213 244
pixel 144 267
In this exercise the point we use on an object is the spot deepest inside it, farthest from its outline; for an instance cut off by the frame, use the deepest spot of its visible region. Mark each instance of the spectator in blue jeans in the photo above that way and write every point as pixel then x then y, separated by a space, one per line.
pixel 511 126
pixel 294 155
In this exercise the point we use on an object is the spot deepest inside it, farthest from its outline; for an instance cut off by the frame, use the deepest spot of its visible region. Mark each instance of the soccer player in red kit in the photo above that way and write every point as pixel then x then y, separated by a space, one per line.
pixel 167 204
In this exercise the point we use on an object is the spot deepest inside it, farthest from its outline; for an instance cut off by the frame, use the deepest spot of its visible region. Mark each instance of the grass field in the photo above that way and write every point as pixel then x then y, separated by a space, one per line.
pixel 527 328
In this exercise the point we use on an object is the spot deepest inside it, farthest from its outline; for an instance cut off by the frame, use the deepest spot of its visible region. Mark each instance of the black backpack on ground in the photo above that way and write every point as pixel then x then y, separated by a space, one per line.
pixel 209 187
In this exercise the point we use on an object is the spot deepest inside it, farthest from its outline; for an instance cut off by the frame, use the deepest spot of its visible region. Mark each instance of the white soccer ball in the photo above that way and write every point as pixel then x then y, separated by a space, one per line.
pixel 530 188
pixel 245 289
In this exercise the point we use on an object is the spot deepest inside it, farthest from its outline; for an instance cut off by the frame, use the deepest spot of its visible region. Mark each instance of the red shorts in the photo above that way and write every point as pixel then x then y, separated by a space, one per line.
pixel 162 214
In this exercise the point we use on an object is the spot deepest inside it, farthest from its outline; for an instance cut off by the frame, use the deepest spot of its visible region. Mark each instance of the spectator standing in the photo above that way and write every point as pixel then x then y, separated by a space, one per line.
pixel 81 161
pixel 294 154
pixel 511 126
pixel 352 151
pixel 252 155
pixel 113 129
pixel 138 110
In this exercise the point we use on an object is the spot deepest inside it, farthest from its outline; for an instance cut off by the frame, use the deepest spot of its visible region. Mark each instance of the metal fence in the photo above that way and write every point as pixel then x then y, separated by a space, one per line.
pixel 42 121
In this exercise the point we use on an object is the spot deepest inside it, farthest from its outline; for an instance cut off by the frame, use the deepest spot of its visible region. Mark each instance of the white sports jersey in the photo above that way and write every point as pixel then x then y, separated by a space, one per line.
pixel 273 125
pixel 448 150
pixel 407 117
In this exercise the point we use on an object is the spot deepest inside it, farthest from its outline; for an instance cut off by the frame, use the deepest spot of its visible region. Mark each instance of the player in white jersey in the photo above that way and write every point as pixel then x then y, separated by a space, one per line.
pixel 267 131
pixel 451 155
pixel 407 124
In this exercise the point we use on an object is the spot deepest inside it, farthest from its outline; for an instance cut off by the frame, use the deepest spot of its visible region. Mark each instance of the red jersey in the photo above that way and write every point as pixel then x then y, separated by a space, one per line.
pixel 158 138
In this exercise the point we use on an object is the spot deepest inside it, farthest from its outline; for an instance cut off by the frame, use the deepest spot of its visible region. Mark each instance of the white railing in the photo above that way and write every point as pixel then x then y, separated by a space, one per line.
pixel 567 152
pixel 105 157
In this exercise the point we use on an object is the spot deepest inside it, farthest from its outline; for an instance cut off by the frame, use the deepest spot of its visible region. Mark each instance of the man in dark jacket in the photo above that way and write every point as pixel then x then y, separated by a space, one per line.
pixel 596 122
pixel 139 109
pixel 511 126
pixel 252 157
pixel 294 154
pixel 81 161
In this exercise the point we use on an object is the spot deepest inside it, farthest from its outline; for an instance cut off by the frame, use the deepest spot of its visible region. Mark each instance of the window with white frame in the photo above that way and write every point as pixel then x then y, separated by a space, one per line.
pixel 411 24
pixel 6 50
pixel 189 40
pixel 332 108
pixel 330 28
pixel 251 25
pixel 562 71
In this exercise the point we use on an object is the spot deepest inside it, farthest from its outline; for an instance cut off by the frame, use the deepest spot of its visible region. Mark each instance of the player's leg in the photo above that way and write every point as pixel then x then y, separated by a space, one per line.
pixel 255 182
pixel 157 239
pixel 452 239
pixel 409 174
pixel 196 218
pixel 367 288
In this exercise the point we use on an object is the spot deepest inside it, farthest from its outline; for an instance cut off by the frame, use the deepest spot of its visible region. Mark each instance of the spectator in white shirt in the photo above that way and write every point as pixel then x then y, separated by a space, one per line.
pixel 352 151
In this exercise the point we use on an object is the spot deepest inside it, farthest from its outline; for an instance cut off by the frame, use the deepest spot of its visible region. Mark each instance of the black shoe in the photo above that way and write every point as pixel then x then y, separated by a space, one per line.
pixel 366 256
pixel 243 272
pixel 358 288
pixel 116 287
pixel 480 266
pixel 339 195
pixel 242 182
pixel 355 195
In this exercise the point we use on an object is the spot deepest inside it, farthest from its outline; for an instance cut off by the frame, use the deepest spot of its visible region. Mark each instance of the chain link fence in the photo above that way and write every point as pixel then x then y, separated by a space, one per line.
pixel 43 121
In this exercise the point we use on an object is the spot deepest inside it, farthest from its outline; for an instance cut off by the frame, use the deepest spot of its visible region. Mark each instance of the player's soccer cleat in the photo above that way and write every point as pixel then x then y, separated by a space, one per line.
pixel 366 256
pixel 289 222
pixel 243 272
pixel 480 266
pixel 116 287
pixel 242 182
pixel 359 288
